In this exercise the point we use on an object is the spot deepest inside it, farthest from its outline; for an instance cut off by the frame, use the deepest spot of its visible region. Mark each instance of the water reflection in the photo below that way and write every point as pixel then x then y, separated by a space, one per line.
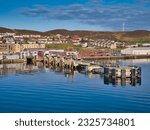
pixel 122 81
pixel 7 69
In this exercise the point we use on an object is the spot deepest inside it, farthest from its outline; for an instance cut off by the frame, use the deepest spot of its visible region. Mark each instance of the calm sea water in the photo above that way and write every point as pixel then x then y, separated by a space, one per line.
pixel 26 88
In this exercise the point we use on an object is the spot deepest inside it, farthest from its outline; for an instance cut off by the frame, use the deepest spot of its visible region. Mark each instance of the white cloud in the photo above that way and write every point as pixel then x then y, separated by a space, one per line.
pixel 97 13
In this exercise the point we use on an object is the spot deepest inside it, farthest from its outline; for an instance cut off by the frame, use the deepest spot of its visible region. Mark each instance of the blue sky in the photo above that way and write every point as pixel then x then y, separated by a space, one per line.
pixel 102 15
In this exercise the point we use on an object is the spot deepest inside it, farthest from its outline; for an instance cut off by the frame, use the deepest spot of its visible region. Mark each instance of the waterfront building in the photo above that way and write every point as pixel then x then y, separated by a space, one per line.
pixel 145 45
pixel 3 48
pixel 136 51
pixel 12 56
pixel 17 48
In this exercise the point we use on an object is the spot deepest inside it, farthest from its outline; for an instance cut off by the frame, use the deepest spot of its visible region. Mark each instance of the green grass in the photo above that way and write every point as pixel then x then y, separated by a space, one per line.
pixel 143 40
pixel 70 46
pixel 136 40
pixel 59 46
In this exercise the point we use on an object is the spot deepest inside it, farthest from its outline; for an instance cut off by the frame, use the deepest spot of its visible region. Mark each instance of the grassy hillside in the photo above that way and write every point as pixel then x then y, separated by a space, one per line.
pixel 4 30
pixel 140 36
pixel 128 36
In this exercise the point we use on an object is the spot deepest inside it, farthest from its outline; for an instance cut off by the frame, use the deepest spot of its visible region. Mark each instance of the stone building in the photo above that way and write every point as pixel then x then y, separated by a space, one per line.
pixel 17 48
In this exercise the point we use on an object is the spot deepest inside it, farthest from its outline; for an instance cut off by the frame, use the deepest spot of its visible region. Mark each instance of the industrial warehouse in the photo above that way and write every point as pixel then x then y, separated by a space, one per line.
pixel 136 51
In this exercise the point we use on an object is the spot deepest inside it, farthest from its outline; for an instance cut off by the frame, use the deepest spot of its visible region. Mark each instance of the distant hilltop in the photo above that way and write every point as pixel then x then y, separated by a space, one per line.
pixel 132 36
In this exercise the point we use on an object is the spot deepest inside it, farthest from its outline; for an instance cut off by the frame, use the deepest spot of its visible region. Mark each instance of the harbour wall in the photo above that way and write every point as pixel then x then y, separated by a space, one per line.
pixel 3 61
pixel 116 57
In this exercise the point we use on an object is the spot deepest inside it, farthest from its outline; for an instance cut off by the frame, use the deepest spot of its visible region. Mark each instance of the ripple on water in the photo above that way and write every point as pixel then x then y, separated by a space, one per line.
pixel 48 91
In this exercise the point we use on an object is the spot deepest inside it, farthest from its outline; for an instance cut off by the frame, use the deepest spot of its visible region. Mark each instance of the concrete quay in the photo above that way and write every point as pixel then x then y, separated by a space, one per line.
pixel 81 65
